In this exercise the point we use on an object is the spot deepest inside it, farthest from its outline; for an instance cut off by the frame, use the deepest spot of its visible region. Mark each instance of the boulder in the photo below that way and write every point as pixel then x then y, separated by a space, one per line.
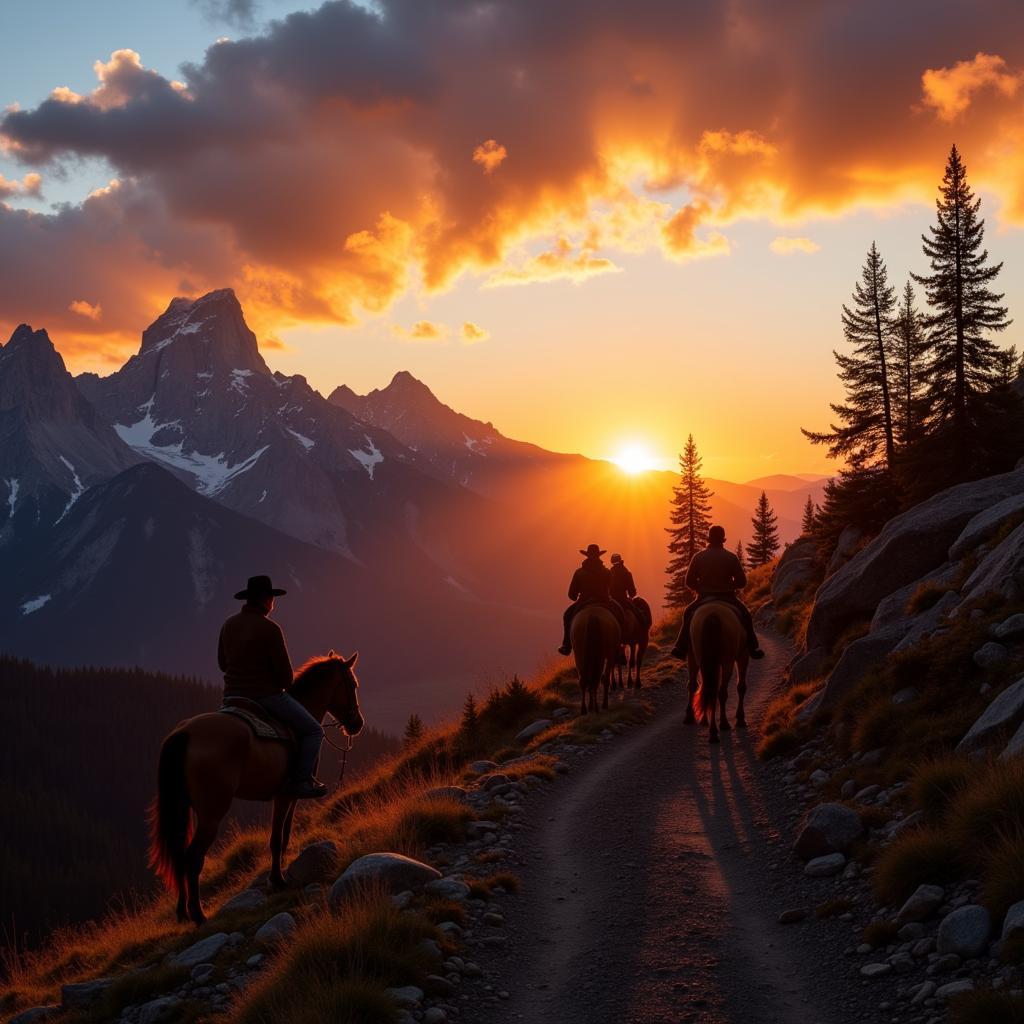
pixel 954 988
pixel 845 549
pixel 828 828
pixel 928 622
pixel 247 899
pixel 1004 713
pixel 910 545
pixel 157 1011
pixel 80 994
pixel 448 888
pixel 201 952
pixel 1010 628
pixel 279 927
pixel 986 524
pixel 825 867
pixel 394 872
pixel 1015 748
pixel 990 656
pixel 964 932
pixel 533 729
pixel 1001 571
pixel 1013 923
pixel 316 863
pixel 922 903
pixel 810 665
pixel 894 607
pixel 796 571
pixel 856 659
pixel 494 781
pixel 408 996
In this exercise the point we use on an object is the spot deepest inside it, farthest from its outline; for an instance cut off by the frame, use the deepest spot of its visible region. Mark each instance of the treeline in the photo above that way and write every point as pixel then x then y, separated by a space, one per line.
pixel 690 516
pixel 77 771
pixel 929 395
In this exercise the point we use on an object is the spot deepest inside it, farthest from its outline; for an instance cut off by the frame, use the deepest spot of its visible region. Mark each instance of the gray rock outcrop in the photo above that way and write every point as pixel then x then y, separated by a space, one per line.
pixel 394 872
pixel 1004 713
pixel 828 828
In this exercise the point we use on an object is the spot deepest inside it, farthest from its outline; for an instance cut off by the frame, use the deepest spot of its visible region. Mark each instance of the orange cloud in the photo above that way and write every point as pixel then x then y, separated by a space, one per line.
pixel 679 235
pixel 30 186
pixel 950 90
pixel 558 264
pixel 785 245
pixel 422 330
pixel 471 333
pixel 489 155
pixel 86 309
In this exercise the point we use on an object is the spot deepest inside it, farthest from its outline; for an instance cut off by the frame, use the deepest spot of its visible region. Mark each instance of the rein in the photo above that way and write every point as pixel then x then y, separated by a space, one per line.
pixel 342 748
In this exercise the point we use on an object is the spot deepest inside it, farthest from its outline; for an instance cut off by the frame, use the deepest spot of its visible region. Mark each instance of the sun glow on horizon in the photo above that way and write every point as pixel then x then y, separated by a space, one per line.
pixel 636 457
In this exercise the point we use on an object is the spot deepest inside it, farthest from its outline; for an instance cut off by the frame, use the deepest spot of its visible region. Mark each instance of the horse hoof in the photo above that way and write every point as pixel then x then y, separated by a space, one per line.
pixel 197 917
pixel 279 883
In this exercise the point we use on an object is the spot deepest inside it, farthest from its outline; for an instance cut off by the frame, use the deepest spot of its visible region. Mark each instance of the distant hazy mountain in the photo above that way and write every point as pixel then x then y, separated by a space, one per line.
pixel 788 482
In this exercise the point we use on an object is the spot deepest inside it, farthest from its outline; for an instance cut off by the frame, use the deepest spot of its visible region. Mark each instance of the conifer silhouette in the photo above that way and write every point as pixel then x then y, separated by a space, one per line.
pixel 910 370
pixel 690 516
pixel 765 544
pixel 807 523
pixel 413 731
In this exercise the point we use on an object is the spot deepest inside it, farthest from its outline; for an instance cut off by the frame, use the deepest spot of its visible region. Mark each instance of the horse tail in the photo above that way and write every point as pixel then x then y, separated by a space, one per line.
pixel 710 664
pixel 170 813
pixel 593 651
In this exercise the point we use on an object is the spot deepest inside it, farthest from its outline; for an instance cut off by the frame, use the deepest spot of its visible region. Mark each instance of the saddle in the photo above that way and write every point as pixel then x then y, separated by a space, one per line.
pixel 264 726
pixel 642 610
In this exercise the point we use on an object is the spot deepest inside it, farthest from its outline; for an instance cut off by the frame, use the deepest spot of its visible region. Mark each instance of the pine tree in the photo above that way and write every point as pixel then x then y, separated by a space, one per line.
pixel 741 554
pixel 765 544
pixel 690 516
pixel 413 731
pixel 865 430
pixel 807 524
pixel 964 310
pixel 470 725
pixel 1008 366
pixel 910 352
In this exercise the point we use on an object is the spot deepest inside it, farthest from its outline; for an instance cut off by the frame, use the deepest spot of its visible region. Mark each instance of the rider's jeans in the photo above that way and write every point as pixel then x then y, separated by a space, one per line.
pixel 309 733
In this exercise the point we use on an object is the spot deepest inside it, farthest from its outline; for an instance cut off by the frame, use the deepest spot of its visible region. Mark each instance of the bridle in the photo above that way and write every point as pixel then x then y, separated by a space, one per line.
pixel 347 739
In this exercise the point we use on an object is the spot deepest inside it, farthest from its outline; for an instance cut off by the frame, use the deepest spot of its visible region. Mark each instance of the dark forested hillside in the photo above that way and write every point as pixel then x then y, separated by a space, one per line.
pixel 77 770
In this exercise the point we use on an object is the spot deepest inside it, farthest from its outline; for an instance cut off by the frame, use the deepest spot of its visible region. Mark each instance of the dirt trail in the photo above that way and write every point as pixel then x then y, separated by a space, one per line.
pixel 652 881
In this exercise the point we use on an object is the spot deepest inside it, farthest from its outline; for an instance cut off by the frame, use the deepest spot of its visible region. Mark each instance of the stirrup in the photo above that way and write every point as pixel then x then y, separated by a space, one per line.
pixel 307 789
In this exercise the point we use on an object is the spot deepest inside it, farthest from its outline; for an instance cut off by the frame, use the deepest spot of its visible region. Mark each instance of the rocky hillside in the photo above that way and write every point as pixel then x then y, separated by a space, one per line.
pixel 903 729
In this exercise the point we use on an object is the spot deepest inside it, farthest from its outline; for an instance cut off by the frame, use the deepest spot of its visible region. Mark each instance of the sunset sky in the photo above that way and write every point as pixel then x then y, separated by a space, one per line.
pixel 594 223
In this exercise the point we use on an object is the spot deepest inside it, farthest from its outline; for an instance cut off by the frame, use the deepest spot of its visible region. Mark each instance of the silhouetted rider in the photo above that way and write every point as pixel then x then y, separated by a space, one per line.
pixel 590 584
pixel 715 575
pixel 621 584
pixel 254 658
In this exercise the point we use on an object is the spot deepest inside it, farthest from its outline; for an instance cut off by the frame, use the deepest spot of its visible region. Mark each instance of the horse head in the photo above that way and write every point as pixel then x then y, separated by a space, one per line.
pixel 344 699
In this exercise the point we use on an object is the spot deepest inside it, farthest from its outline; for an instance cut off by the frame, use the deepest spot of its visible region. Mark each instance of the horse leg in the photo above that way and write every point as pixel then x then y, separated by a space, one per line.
pixel 691 671
pixel 583 698
pixel 282 808
pixel 641 650
pixel 607 679
pixel 723 698
pixel 741 691
pixel 712 724
pixel 195 855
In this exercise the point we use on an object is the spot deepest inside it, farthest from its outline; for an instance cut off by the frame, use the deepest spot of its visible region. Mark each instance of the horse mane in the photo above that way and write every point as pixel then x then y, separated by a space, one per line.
pixel 311 672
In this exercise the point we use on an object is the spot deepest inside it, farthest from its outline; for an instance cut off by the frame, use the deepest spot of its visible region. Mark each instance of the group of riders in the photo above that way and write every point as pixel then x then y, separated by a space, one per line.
pixel 253 655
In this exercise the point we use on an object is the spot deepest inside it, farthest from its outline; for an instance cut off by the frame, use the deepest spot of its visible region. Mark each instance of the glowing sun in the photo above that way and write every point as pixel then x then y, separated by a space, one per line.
pixel 635 458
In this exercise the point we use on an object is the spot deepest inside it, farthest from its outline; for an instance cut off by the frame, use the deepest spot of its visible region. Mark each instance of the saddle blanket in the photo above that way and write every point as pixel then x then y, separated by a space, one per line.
pixel 261 728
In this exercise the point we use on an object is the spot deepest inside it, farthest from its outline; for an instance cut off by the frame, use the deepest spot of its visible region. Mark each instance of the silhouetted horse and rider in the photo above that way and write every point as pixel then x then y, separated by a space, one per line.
pixel 263 744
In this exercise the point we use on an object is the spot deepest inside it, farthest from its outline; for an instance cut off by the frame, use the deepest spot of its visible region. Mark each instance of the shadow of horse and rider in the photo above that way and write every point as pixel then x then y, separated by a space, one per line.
pixel 264 742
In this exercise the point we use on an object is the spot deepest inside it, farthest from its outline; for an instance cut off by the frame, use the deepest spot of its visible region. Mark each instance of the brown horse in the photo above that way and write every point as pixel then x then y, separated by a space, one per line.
pixel 636 638
pixel 209 760
pixel 717 644
pixel 596 639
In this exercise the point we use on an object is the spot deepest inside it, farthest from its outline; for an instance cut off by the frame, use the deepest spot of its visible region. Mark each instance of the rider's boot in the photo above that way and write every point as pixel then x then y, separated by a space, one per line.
pixel 307 789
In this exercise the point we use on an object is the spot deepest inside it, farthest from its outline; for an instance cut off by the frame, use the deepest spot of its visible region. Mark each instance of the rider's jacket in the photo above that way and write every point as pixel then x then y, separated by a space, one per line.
pixel 622 586
pixel 590 582
pixel 715 571
pixel 253 656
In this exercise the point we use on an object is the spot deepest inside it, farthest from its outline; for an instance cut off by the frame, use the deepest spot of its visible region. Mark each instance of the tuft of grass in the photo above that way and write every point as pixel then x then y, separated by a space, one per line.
pixel 927 595
pixel 137 987
pixel 780 733
pixel 989 809
pixel 986 1007
pixel 880 933
pixel 923 855
pixel 937 782
pixel 437 909
pixel 487 857
pixel 336 967
pixel 482 888
pixel 1003 875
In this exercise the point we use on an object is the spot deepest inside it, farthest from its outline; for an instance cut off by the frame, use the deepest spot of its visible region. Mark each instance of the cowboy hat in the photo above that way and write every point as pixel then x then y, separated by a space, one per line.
pixel 616 558
pixel 258 588
pixel 593 551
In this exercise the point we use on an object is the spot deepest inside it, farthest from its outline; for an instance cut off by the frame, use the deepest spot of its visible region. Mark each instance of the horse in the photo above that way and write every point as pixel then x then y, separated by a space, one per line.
pixel 636 637
pixel 596 640
pixel 208 761
pixel 717 644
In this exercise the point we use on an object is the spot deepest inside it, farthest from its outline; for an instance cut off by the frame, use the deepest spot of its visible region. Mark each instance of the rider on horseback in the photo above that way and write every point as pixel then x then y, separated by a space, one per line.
pixel 715 575
pixel 591 584
pixel 253 656
pixel 621 584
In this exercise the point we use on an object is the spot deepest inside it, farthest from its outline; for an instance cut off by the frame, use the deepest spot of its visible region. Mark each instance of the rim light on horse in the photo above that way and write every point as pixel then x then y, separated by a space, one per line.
pixel 214 758
pixel 717 646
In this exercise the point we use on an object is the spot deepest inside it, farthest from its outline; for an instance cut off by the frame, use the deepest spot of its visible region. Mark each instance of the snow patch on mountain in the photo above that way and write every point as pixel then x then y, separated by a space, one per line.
pixel 212 472
pixel 35 604
pixel 75 494
pixel 370 459
pixel 12 495
pixel 306 442
pixel 478 447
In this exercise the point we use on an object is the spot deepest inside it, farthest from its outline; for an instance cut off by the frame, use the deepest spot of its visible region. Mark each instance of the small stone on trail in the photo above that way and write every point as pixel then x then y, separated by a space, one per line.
pixel 825 867
pixel 792 916
pixel 202 951
pixel 923 902
pixel 875 970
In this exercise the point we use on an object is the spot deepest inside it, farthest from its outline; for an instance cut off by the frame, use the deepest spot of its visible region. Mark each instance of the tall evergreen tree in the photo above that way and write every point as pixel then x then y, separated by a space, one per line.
pixel 690 515
pixel 741 554
pixel 765 544
pixel 965 312
pixel 413 731
pixel 1008 366
pixel 807 523
pixel 865 429
pixel 909 365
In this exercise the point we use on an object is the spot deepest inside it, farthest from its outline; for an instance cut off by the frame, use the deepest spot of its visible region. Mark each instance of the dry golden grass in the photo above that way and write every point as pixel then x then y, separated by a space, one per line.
pixel 337 966
pixel 922 855
pixel 483 888
pixel 938 781
pixel 1003 875
pixel 779 732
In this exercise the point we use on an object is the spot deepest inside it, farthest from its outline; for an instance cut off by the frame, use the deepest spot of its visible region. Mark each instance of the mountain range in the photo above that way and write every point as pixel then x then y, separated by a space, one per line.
pixel 132 506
